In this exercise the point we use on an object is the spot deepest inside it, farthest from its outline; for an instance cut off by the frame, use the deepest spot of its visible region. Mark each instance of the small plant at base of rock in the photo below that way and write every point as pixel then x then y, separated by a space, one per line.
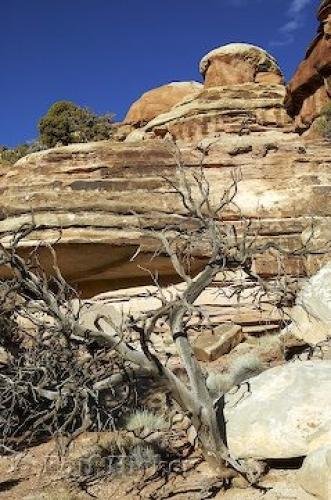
pixel 144 420
pixel 121 454
pixel 324 122
pixel 140 457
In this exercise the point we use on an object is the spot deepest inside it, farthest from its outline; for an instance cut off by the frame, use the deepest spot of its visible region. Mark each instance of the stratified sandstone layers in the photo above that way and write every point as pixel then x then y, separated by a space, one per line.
pixel 160 100
pixel 243 93
pixel 101 195
pixel 310 88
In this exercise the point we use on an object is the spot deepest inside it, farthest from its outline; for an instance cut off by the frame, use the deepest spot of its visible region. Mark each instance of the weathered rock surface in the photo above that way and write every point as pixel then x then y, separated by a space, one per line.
pixel 311 317
pixel 315 474
pixel 235 109
pixel 101 195
pixel 160 100
pixel 310 88
pixel 283 413
pixel 243 93
pixel 238 63
pixel 218 308
pixel 210 345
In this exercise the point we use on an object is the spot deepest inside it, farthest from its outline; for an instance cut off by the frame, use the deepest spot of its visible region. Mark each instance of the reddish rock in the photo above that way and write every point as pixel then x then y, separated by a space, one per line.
pixel 238 63
pixel 209 346
pixel 243 93
pixel 310 88
pixel 160 100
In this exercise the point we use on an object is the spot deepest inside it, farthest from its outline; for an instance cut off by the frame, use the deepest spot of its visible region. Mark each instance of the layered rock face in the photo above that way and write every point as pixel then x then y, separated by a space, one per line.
pixel 99 197
pixel 160 100
pixel 310 88
pixel 243 93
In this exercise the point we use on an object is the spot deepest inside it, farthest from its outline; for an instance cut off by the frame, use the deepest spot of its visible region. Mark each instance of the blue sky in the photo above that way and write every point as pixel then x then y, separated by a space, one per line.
pixel 105 53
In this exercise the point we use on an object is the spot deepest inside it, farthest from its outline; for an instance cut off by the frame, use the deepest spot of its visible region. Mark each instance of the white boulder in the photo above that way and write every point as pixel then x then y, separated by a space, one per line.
pixel 284 412
pixel 311 317
pixel 315 474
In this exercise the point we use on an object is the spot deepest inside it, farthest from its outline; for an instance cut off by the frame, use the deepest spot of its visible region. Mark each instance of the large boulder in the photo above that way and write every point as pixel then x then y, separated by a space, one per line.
pixel 282 413
pixel 238 63
pixel 311 317
pixel 310 87
pixel 160 100
pixel 315 474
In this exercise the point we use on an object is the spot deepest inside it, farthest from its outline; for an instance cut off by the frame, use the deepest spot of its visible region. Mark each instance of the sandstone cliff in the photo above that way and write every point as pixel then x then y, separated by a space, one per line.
pixel 100 196
pixel 310 88
pixel 243 93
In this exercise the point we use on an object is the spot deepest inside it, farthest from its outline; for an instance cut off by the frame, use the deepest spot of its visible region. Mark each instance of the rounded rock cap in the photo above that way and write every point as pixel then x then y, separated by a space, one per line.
pixel 160 100
pixel 238 63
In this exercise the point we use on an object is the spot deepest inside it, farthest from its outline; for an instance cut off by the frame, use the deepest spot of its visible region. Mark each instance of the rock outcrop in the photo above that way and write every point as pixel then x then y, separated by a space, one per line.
pixel 243 94
pixel 160 100
pixel 282 413
pixel 99 196
pixel 238 63
pixel 310 88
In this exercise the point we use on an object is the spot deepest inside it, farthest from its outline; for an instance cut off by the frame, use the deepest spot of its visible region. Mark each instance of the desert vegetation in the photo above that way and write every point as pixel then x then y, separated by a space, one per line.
pixel 324 122
pixel 66 378
pixel 64 123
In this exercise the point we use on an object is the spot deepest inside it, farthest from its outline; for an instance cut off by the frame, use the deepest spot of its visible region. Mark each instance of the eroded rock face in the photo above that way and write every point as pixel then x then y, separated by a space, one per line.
pixel 101 195
pixel 238 63
pixel 243 94
pixel 310 88
pixel 235 109
pixel 160 100
pixel 284 413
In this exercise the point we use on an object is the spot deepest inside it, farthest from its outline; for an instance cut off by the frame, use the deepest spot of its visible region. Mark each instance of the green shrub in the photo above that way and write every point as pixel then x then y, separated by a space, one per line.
pixel 12 155
pixel 66 123
pixel 324 122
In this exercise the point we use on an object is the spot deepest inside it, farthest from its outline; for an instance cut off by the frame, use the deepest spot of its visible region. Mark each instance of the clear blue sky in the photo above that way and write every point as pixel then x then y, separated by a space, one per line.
pixel 105 53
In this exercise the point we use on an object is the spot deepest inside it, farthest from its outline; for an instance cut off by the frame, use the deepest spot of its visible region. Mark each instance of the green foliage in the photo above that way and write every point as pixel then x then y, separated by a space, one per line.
pixel 66 123
pixel 324 122
pixel 12 155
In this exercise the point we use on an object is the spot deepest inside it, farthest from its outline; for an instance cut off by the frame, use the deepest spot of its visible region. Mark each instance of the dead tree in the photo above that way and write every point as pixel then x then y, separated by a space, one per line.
pixel 227 246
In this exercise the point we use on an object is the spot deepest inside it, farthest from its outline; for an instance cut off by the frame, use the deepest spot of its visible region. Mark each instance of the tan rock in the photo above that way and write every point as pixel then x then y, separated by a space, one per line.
pixel 285 412
pixel 210 345
pixel 268 78
pixel 311 317
pixel 100 195
pixel 238 63
pixel 160 100
pixel 315 474
pixel 244 109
